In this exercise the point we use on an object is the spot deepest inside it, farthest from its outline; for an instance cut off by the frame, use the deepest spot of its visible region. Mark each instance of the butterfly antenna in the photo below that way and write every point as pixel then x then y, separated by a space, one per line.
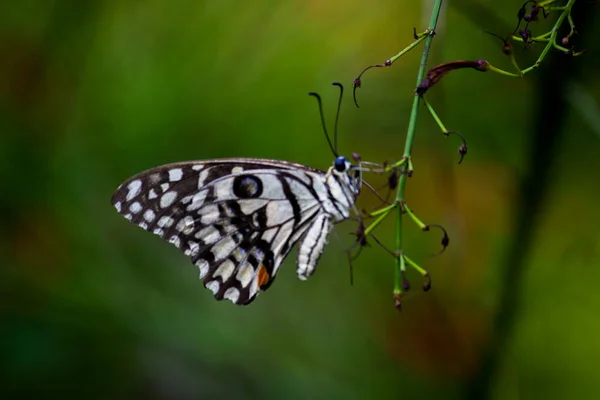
pixel 316 95
pixel 337 115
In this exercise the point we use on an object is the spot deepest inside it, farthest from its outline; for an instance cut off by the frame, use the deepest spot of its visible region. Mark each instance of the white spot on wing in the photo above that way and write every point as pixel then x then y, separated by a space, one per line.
pixel 186 199
pixel 134 189
pixel 165 222
pixel 210 214
pixel 213 286
pixel 237 170
pixel 225 270
pixel 232 294
pixel 158 232
pixel 197 167
pixel 185 225
pixel 118 206
pixel 209 235
pixel 167 199
pixel 152 194
pixel 149 215
pixel 143 225
pixel 203 266
pixel 175 174
pixel 202 177
pixel 164 187
pixel 135 207
pixel 245 274
pixel 194 248
pixel 223 248
pixel 197 200
pixel 175 240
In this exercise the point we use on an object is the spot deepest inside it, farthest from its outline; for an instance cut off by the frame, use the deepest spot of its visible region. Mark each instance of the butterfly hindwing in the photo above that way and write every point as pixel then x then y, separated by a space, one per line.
pixel 237 219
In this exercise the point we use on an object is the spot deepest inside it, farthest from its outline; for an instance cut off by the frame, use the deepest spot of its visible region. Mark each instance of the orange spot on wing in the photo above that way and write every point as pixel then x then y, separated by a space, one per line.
pixel 263 276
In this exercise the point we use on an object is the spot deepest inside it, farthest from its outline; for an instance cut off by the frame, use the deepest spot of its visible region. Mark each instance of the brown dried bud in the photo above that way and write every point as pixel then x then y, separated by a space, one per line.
pixel 435 74
pixel 427 283
pixel 398 301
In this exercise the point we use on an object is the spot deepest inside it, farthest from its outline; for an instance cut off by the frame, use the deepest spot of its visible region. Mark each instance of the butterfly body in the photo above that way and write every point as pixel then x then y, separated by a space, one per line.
pixel 237 219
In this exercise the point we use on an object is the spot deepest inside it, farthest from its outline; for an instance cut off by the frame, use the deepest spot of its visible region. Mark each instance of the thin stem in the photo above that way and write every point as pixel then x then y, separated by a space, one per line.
pixel 410 46
pixel 413 118
pixel 554 33
pixel 435 116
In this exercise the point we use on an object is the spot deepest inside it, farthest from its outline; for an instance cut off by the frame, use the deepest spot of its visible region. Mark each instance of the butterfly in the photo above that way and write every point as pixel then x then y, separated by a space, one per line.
pixel 238 218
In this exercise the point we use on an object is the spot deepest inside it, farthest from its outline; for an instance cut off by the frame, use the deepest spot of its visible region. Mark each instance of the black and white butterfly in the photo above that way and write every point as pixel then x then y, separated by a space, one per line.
pixel 238 218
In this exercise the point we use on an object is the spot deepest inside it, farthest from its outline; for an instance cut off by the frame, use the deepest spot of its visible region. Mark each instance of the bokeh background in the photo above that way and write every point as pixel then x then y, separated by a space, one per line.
pixel 94 307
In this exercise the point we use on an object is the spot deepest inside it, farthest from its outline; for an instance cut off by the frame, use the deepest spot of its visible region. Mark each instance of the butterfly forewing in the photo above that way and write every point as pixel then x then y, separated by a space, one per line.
pixel 237 219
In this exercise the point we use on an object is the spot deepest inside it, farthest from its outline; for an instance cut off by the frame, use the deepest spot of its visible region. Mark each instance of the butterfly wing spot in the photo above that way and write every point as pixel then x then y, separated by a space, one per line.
pixel 193 250
pixel 143 225
pixel 263 276
pixel 197 200
pixel 186 199
pixel 118 206
pixel 152 194
pixel 213 286
pixel 134 187
pixel 237 170
pixel 203 266
pixel 135 207
pixel 185 225
pixel 210 214
pixel 202 178
pixel 225 270
pixel 232 294
pixel 223 248
pixel 158 232
pixel 247 186
pixel 165 222
pixel 175 241
pixel 245 274
pixel 209 235
pixel 167 199
pixel 149 215
pixel 175 174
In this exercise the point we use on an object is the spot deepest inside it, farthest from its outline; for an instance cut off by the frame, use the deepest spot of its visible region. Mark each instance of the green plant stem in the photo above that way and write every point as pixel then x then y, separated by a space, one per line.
pixel 413 119
pixel 410 47
pixel 435 116
pixel 554 33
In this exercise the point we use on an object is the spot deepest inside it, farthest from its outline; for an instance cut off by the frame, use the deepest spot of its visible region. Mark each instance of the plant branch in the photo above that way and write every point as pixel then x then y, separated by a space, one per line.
pixel 410 137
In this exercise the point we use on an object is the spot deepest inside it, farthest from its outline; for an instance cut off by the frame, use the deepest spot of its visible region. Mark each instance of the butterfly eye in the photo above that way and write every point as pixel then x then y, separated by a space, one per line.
pixel 341 164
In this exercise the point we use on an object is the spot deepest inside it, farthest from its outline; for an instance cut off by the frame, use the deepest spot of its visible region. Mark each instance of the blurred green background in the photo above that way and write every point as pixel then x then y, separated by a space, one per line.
pixel 94 307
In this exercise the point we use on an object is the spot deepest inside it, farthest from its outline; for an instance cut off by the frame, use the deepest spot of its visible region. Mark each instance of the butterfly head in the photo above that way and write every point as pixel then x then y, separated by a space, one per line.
pixel 348 173
pixel 341 165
